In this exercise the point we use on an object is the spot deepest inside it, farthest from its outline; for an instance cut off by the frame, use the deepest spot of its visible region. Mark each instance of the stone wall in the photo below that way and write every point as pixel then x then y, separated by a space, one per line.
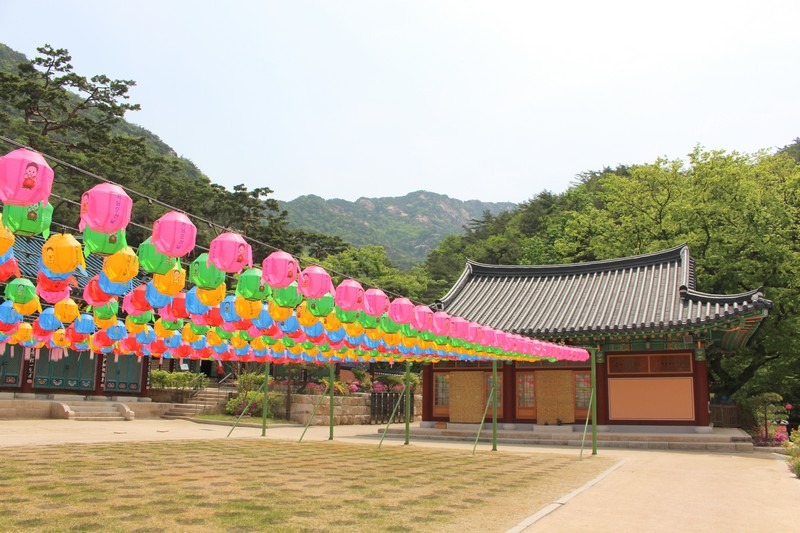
pixel 348 410
pixel 14 408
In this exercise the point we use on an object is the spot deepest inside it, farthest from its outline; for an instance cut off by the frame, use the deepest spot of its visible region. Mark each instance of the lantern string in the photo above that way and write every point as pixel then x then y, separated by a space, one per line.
pixel 211 224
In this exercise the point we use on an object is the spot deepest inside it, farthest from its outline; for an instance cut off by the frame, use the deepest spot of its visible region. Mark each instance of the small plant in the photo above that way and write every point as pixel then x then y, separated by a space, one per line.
pixel 794 466
pixel 236 406
pixel 770 415
pixel 161 379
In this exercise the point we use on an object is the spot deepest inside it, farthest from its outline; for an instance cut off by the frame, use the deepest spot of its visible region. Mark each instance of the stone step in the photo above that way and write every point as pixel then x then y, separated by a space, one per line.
pixel 90 407
pixel 100 418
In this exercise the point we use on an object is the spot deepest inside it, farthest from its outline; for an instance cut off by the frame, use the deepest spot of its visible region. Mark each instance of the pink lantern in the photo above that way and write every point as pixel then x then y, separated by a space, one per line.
pixel 473 330
pixel 458 327
pixel 314 282
pixel 279 269
pixel 53 297
pixel 422 318
pixel 105 208
pixel 25 178
pixel 440 324
pixel 486 336
pixel 229 252
pixel 375 302
pixel 401 310
pixel 349 295
pixel 174 234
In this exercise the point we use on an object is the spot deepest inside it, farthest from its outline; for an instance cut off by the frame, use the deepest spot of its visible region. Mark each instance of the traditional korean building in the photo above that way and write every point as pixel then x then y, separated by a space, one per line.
pixel 642 316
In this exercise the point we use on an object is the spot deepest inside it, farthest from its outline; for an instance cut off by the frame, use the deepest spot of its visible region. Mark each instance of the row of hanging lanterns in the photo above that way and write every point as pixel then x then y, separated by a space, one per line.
pixel 277 312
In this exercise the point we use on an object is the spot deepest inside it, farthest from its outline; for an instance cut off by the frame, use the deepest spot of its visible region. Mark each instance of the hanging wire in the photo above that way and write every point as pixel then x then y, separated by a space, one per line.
pixel 212 225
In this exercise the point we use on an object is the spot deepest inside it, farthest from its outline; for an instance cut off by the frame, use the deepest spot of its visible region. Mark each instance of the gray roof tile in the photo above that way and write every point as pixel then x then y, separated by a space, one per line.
pixel 640 293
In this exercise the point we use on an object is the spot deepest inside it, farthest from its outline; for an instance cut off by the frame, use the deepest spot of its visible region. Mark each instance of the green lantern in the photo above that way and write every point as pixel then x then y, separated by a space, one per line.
pixel 222 334
pixel 198 330
pixel 109 310
pixel 369 322
pixel 346 317
pixel 98 243
pixel 322 306
pixel 289 343
pixel 287 296
pixel 28 220
pixel 387 324
pixel 408 331
pixel 245 336
pixel 269 340
pixel 204 274
pixel 153 261
pixel 141 319
pixel 251 287
pixel 20 290
pixel 172 325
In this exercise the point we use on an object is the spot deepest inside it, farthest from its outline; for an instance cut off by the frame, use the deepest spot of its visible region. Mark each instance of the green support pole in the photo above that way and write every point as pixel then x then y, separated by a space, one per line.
pixel 314 412
pixel 407 392
pixel 483 419
pixel 246 407
pixel 494 406
pixel 391 419
pixel 265 407
pixel 332 378
pixel 593 355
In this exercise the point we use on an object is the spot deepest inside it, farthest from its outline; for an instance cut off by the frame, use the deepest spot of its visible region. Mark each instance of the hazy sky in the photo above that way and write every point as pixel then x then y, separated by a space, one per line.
pixel 491 100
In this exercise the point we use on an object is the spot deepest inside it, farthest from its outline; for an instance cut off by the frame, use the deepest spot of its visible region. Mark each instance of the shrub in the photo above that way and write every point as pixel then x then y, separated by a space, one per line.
pixel 236 406
pixel 250 381
pixel 161 379
pixel 792 444
pixel 794 466
pixel 392 380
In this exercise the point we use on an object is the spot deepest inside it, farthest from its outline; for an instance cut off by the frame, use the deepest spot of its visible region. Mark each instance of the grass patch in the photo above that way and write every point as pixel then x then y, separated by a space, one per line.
pixel 278 486
pixel 245 419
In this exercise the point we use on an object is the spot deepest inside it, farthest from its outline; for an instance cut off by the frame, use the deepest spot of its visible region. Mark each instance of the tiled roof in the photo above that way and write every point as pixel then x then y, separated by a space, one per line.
pixel 641 293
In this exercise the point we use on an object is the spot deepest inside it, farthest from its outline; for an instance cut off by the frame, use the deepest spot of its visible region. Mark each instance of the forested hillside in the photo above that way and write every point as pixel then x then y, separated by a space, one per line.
pixel 409 227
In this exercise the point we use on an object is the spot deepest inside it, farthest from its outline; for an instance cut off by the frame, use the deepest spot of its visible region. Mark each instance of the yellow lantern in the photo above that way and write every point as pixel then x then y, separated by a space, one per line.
pixel 62 254
pixel 105 323
pixel 172 282
pixel 296 349
pixel 279 313
pixel 28 308
pixel 211 297
pixel 212 338
pixel 59 338
pixel 247 309
pixel 238 342
pixel 66 310
pixel 304 316
pixel 6 238
pixel 258 344
pixel 133 327
pixel 121 266
pixel 24 332
pixel 354 329
pixel 278 347
pixel 373 334
pixel 187 335
pixel 162 332
pixel 331 322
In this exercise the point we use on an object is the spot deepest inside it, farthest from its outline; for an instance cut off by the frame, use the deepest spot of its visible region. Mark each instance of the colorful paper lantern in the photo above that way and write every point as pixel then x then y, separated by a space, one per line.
pixel 287 296
pixel 440 323
pixel 52 297
pixel 401 310
pixel 422 318
pixel 6 238
pixel 172 282
pixel 280 269
pixel 376 302
pixel 204 274
pixel 9 268
pixel 111 288
pixel 174 234
pixel 66 310
pixel 247 309
pixel 20 290
pixel 25 178
pixel 93 294
pixel 193 304
pixel 314 282
pixel 153 261
pixel 155 298
pixel 121 266
pixel 251 286
pixel 211 297
pixel 349 295
pixel 229 252
pixel 98 243
pixel 29 307
pixel 322 306
pixel 105 208
pixel 28 220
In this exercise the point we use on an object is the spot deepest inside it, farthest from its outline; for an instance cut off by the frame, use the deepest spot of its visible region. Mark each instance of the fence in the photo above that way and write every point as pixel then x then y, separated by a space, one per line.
pixel 725 416
pixel 381 405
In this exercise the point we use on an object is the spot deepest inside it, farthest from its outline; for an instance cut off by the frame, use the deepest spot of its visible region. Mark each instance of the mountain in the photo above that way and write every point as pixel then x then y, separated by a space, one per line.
pixel 407 226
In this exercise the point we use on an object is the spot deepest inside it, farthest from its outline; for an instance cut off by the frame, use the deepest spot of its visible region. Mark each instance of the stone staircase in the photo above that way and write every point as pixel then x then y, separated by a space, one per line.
pixel 96 411
pixel 718 440
pixel 209 401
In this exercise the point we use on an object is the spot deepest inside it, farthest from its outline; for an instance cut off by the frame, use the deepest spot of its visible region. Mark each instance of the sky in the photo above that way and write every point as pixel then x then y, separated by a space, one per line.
pixel 490 100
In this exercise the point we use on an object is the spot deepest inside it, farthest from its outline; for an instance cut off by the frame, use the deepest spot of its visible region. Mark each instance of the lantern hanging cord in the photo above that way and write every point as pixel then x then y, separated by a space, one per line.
pixel 172 208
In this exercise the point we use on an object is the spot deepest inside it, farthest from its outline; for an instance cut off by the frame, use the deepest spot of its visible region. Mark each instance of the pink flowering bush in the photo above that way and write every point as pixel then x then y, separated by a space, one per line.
pixel 377 386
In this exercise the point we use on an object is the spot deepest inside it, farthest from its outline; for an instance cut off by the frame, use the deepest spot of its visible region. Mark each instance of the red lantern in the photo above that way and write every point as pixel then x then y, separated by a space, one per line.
pixel 94 295
pixel 8 269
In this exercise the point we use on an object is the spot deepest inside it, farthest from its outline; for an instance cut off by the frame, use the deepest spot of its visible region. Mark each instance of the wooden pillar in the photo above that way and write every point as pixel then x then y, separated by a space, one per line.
pixel 427 392
pixel 28 369
pixel 144 378
pixel 602 388
pixel 100 370
pixel 509 391
pixel 702 415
